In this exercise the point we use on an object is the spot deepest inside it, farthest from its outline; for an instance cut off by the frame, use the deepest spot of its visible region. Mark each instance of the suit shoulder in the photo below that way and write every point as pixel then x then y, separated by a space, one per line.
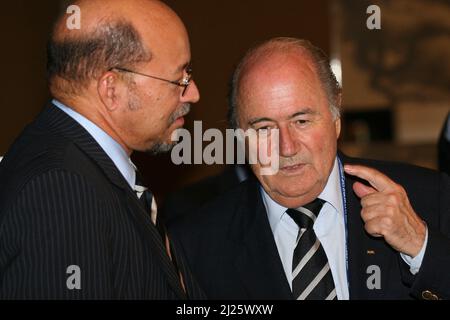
pixel 400 172
pixel 33 156
pixel 30 156
pixel 216 212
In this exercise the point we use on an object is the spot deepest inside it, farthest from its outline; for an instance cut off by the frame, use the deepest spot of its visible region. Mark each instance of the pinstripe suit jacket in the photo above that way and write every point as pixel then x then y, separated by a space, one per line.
pixel 63 203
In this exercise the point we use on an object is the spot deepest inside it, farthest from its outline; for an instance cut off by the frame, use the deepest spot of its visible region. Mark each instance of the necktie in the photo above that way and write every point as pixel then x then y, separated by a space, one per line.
pixel 148 200
pixel 311 274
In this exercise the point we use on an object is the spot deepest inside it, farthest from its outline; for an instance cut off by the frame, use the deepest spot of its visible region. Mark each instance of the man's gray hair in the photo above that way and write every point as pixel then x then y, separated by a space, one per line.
pixel 73 61
pixel 283 44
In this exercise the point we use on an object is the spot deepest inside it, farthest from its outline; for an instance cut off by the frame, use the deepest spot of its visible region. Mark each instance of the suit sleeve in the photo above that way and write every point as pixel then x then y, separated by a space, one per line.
pixel 433 279
pixel 53 241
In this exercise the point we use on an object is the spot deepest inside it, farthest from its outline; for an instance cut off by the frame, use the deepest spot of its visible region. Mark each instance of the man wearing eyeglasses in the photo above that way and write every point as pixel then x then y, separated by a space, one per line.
pixel 76 221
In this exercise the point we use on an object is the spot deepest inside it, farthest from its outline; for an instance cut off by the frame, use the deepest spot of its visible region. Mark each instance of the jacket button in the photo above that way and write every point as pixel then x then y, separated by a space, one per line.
pixel 428 295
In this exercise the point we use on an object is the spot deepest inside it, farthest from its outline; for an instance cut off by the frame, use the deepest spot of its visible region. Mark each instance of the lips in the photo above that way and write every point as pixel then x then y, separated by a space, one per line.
pixel 292 168
pixel 178 116
pixel 180 121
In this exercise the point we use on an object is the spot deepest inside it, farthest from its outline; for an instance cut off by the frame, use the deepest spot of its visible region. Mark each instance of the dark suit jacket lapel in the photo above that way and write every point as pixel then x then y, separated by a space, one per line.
pixel 61 123
pixel 257 262
pixel 193 289
pixel 365 252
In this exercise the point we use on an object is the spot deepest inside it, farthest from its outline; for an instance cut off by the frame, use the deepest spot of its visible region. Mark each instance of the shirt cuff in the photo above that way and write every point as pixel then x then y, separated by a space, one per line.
pixel 416 262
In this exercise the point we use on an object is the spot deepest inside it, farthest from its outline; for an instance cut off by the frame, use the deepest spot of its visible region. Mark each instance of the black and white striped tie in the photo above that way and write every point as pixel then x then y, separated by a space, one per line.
pixel 311 274
pixel 148 200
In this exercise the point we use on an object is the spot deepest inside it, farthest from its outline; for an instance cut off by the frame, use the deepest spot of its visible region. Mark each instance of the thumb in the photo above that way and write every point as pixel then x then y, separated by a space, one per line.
pixel 362 190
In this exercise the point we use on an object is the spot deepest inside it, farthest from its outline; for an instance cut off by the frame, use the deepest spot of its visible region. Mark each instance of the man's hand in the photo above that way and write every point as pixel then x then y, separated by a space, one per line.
pixel 386 211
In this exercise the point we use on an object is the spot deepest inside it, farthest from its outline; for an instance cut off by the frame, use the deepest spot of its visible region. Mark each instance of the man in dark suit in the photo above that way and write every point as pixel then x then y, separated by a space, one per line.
pixel 444 147
pixel 324 226
pixel 75 221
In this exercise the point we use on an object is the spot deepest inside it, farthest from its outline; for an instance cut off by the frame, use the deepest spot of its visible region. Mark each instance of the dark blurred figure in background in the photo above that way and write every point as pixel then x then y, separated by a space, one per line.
pixel 444 147
pixel 189 199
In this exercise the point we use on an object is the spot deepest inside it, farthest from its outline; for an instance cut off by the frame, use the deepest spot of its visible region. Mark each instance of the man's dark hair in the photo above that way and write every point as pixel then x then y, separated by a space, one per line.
pixel 283 44
pixel 73 61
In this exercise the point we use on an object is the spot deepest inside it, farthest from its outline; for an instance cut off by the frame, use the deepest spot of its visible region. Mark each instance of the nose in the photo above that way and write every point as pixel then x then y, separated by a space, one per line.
pixel 192 94
pixel 288 145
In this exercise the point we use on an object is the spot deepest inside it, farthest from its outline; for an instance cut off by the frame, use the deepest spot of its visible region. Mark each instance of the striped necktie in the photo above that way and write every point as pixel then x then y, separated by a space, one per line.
pixel 311 274
pixel 146 197
pixel 148 200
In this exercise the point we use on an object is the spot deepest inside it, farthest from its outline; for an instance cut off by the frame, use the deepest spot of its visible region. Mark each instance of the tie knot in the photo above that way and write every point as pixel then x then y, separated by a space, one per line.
pixel 139 181
pixel 305 216
pixel 141 190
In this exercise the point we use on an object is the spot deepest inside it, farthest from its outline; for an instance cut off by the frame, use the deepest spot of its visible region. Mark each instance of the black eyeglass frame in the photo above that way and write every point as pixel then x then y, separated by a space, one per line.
pixel 185 82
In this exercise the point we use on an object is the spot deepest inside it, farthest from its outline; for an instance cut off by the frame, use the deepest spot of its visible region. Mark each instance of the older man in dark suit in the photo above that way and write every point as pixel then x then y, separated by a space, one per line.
pixel 75 221
pixel 324 226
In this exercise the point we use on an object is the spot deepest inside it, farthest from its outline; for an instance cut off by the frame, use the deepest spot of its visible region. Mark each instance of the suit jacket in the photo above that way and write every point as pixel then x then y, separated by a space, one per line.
pixel 444 149
pixel 193 197
pixel 232 251
pixel 64 203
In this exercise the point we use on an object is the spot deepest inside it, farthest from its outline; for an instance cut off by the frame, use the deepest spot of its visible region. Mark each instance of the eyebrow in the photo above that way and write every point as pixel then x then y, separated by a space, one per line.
pixel 258 120
pixel 265 119
pixel 303 112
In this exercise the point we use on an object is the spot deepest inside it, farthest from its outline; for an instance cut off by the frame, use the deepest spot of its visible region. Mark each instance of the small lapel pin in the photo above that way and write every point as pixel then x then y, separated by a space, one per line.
pixel 371 252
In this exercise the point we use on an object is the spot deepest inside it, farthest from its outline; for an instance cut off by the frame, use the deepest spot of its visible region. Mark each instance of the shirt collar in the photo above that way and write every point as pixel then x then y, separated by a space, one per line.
pixel 331 194
pixel 111 147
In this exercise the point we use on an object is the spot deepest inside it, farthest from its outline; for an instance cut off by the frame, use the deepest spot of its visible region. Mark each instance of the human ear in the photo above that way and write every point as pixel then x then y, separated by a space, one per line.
pixel 337 124
pixel 108 88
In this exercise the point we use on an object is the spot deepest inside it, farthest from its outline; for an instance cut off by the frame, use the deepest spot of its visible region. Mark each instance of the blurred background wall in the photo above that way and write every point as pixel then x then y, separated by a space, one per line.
pixel 395 79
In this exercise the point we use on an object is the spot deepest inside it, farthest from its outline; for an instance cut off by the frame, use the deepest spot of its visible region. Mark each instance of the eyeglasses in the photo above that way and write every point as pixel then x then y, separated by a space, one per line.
pixel 183 83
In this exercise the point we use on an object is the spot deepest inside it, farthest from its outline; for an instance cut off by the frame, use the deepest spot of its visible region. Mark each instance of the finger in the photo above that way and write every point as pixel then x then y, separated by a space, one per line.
pixel 376 179
pixel 362 190
pixel 372 212
pixel 373 199
pixel 374 228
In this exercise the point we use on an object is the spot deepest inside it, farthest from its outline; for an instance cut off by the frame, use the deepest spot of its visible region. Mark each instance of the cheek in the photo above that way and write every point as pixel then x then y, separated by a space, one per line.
pixel 154 113
pixel 320 138
pixel 322 146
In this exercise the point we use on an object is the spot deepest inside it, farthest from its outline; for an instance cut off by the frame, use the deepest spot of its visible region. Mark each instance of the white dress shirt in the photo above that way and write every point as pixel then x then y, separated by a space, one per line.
pixel 330 229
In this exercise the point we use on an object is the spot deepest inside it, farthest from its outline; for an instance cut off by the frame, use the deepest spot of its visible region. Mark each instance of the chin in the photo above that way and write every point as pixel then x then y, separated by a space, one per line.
pixel 297 198
pixel 293 193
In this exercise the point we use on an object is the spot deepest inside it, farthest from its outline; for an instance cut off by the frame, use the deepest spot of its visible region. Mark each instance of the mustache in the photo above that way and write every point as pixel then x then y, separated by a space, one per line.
pixel 292 161
pixel 181 112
